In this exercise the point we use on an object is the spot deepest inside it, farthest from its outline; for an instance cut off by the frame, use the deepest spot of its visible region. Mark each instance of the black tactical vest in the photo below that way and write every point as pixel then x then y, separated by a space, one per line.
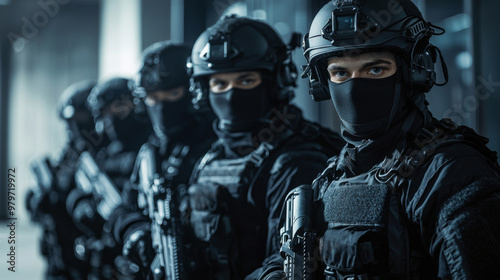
pixel 228 222
pixel 368 235
pixel 224 214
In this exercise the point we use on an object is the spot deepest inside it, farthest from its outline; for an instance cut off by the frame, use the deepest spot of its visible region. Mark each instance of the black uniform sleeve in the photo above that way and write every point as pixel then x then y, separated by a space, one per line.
pixel 453 203
pixel 288 172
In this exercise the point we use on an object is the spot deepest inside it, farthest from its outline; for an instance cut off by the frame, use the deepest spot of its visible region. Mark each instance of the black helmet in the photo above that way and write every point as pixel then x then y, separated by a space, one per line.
pixel 347 27
pixel 109 93
pixel 72 109
pixel 240 44
pixel 74 98
pixel 112 105
pixel 163 67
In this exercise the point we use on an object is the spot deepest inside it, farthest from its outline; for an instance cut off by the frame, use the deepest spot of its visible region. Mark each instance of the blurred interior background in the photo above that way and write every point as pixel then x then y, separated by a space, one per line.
pixel 46 45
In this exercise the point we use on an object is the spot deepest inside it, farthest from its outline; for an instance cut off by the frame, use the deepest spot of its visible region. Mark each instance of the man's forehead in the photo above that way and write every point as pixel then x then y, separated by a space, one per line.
pixel 364 57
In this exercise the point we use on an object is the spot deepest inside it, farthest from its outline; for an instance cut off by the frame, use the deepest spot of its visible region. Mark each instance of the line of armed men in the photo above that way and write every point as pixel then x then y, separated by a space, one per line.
pixel 202 168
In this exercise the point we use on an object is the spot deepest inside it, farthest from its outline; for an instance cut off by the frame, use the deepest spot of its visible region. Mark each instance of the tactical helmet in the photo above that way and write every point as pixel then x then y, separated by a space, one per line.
pixel 241 44
pixel 347 27
pixel 164 68
pixel 74 98
pixel 108 93
pixel 72 109
pixel 161 69
pixel 115 113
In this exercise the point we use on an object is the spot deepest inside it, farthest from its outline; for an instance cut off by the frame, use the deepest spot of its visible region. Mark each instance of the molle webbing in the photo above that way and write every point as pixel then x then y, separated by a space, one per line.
pixel 356 204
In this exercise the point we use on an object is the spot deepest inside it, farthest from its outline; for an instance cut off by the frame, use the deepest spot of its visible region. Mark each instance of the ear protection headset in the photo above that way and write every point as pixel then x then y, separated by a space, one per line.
pixel 423 59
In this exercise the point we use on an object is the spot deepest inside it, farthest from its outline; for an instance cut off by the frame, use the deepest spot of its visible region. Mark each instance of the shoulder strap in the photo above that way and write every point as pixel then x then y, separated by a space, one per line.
pixel 403 163
pixel 257 157
pixel 321 183
pixel 211 155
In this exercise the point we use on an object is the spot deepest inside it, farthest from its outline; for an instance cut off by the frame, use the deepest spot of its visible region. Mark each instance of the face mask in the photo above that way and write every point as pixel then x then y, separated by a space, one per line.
pixel 129 131
pixel 169 118
pixel 241 110
pixel 366 107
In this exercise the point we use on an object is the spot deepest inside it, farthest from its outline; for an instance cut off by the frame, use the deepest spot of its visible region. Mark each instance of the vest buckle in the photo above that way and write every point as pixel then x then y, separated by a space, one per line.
pixel 261 153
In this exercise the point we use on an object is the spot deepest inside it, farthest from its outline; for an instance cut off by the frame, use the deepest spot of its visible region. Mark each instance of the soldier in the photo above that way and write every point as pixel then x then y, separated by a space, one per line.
pixel 55 179
pixel 265 146
pixel 164 164
pixel 104 175
pixel 409 196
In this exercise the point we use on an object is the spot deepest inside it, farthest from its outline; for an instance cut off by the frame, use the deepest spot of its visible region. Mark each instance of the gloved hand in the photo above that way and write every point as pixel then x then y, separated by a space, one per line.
pixel 127 270
pixel 83 210
pixel 275 275
pixel 138 248
pixel 38 203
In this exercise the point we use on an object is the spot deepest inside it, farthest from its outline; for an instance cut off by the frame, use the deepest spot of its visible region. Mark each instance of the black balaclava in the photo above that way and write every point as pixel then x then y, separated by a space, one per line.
pixel 367 107
pixel 80 127
pixel 242 110
pixel 376 114
pixel 130 131
pixel 171 118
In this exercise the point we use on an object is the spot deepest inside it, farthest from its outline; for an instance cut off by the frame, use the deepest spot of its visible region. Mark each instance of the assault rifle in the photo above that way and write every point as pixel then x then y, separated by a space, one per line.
pixel 163 201
pixel 44 177
pixel 41 208
pixel 92 180
pixel 297 239
pixel 44 173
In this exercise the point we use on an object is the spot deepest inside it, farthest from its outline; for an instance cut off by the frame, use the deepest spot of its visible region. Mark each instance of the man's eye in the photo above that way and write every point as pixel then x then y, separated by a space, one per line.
pixel 220 84
pixel 247 82
pixel 376 70
pixel 340 74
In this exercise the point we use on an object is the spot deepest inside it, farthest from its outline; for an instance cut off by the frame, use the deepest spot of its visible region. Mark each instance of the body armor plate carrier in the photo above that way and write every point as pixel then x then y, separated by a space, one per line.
pixel 367 233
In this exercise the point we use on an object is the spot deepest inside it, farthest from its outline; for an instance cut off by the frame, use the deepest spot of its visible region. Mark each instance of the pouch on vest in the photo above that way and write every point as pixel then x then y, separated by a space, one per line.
pixel 355 243
pixel 204 209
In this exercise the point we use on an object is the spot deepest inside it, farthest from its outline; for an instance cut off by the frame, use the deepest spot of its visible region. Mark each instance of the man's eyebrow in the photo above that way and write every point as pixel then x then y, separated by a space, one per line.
pixel 375 62
pixel 246 75
pixel 333 67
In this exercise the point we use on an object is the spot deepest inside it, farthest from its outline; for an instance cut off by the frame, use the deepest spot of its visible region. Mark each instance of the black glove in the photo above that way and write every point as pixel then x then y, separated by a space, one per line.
pixel 275 275
pixel 82 208
pixel 138 248
pixel 127 269
pixel 38 203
